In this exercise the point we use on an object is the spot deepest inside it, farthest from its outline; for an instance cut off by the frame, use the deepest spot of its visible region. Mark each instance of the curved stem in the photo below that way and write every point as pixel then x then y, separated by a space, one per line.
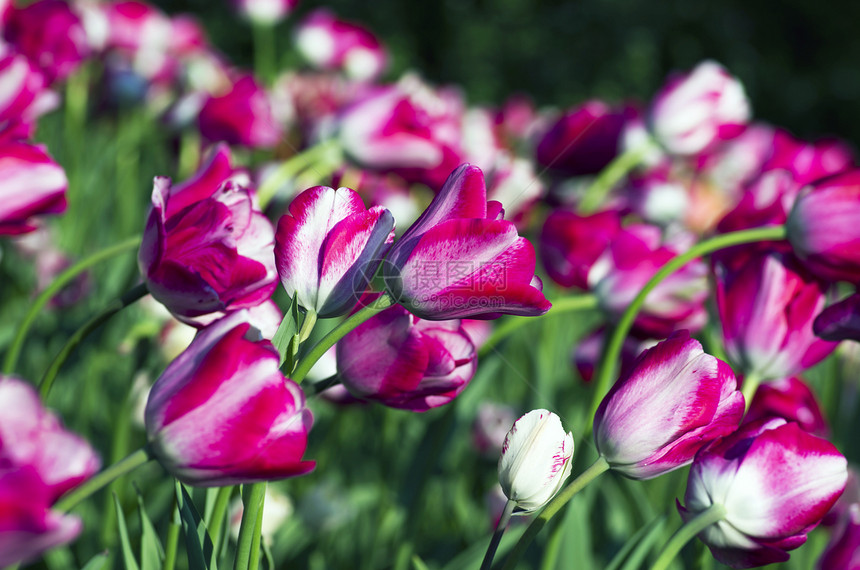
pixel 683 535
pixel 553 507
pixel 116 306
pixel 612 348
pixel 253 497
pixel 291 167
pixel 572 303
pixel 497 536
pixel 620 166
pixel 380 304
pixel 100 480
pixel 48 293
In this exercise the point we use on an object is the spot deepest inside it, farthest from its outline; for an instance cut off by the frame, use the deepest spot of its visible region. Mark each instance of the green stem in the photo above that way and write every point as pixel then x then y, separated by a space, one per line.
pixel 572 303
pixel 497 536
pixel 307 326
pixel 116 306
pixel 219 513
pixel 612 348
pixel 254 559
pixel 252 496
pixel 620 166
pixel 553 507
pixel 48 293
pixel 751 383
pixel 189 153
pixel 380 304
pixel 321 385
pixel 100 480
pixel 264 51
pixel 683 535
pixel 328 151
pixel 171 541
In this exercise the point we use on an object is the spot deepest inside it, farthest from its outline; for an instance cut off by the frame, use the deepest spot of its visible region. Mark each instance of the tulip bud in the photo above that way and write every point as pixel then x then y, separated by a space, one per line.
pixel 839 321
pixel 843 550
pixel 264 12
pixel 790 399
pixel 675 400
pixel 775 483
pixel 460 259
pixel 241 116
pixel 223 414
pixel 33 184
pixel 570 244
pixel 329 43
pixel 535 460
pixel 329 246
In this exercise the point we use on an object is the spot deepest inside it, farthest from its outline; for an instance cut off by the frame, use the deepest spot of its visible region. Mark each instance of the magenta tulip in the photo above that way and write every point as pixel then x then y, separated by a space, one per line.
pixel 241 116
pixel 675 400
pixel 332 44
pixel 265 12
pixel 207 249
pixel 774 482
pixel 843 550
pixel 824 227
pixel 570 243
pixel 329 246
pixel 405 362
pixel 767 308
pixel 790 399
pixel 23 95
pixel 695 111
pixel 840 321
pixel 32 185
pixel 223 414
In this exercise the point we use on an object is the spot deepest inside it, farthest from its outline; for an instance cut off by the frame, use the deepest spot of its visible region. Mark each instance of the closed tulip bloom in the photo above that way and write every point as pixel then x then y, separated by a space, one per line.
pixel 31 184
pixel 241 116
pixel 792 400
pixel 774 481
pixel 839 321
pixel 23 95
pixel 460 259
pixel 695 111
pixel 207 248
pixel 330 43
pixel 843 550
pixel 223 414
pixel 329 246
pixel 405 362
pixel 265 12
pixel 570 243
pixel 767 308
pixel 824 227
pixel 674 400
pixel 535 461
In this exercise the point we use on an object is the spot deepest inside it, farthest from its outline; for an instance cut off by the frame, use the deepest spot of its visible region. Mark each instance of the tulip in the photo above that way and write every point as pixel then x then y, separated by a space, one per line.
pixel 490 427
pixel 328 248
pixel 767 307
pixel 329 43
pixel 673 401
pixel 808 162
pixel 405 362
pixel 409 129
pixel 843 550
pixel 32 184
pixel 535 461
pixel 790 399
pixel 840 321
pixel 583 140
pixel 139 36
pixel 570 244
pixel 696 111
pixel 265 12
pixel 774 483
pixel 586 356
pixel 51 34
pixel 222 413
pixel 241 116
pixel 24 95
pixel 39 461
pixel 824 227
pixel 207 248
pixel 460 259
pixel 633 257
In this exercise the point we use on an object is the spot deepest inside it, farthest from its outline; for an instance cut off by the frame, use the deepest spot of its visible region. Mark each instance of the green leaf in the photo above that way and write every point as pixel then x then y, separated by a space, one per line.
pixel 127 554
pixel 289 361
pixel 418 564
pixel 97 562
pixel 151 551
pixel 643 541
pixel 198 544
pixel 287 329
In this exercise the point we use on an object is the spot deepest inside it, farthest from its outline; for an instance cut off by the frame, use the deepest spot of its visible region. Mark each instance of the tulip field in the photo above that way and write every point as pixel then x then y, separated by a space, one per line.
pixel 307 312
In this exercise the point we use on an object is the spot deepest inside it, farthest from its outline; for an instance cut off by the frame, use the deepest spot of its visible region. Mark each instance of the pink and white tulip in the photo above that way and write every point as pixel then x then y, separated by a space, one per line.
pixel 40 461
pixel 328 248
pixel 824 227
pixel 265 12
pixel 461 259
pixel 774 481
pixel 223 414
pixel 674 400
pixel 241 116
pixel 207 249
pixel 535 460
pixel 31 184
pixel 767 308
pixel 792 400
pixel 405 362
pixel 843 550
pixel 698 110
pixel 329 43
pixel 23 95
pixel 571 243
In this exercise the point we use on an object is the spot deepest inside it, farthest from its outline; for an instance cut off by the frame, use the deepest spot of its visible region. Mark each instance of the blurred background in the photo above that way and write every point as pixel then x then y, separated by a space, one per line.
pixel 799 60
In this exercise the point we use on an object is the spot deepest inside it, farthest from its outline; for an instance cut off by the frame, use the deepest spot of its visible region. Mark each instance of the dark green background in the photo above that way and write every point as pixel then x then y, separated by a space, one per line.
pixel 799 59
